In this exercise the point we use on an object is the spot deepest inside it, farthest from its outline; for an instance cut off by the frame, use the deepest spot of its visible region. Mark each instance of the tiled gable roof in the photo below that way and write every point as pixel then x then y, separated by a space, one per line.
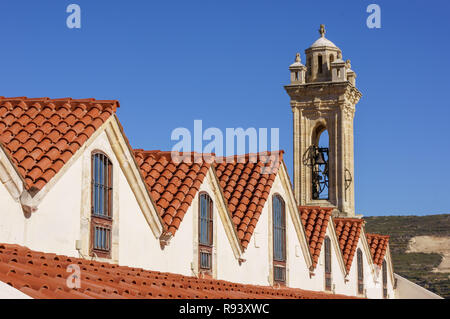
pixel 172 185
pixel 246 188
pixel 41 135
pixel 348 231
pixel 315 220
pixel 378 246
pixel 42 275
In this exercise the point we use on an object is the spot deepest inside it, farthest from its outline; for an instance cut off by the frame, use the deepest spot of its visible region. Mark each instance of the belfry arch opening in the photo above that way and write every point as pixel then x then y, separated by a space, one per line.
pixel 320 136
pixel 320 173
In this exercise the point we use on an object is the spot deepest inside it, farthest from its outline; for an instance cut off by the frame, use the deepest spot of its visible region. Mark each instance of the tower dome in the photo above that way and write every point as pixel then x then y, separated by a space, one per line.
pixel 323 42
pixel 319 58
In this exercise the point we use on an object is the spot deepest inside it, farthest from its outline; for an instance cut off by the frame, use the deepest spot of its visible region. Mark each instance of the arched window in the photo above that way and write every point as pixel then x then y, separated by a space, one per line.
pixel 359 258
pixel 331 59
pixel 320 64
pixel 327 243
pixel 205 233
pixel 279 240
pixel 384 271
pixel 101 205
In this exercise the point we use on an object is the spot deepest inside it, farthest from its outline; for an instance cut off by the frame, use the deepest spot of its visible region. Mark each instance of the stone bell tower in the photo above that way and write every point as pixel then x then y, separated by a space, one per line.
pixel 323 97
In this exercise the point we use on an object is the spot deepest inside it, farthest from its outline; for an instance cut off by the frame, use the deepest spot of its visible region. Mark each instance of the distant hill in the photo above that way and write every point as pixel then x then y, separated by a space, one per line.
pixel 416 267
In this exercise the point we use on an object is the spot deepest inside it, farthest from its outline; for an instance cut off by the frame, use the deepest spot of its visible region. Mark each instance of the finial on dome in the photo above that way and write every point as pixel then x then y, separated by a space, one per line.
pixel 322 30
pixel 297 58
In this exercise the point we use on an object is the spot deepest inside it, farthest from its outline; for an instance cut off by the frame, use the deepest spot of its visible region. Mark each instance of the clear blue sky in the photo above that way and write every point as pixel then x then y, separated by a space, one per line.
pixel 225 62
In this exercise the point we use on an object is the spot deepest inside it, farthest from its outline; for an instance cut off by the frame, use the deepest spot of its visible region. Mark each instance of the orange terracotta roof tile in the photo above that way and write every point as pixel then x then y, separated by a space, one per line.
pixel 378 245
pixel 40 134
pixel 246 189
pixel 315 220
pixel 43 276
pixel 348 231
pixel 172 185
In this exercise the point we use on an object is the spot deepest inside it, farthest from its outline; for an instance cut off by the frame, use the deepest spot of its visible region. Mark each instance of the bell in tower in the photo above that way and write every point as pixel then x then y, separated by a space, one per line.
pixel 323 100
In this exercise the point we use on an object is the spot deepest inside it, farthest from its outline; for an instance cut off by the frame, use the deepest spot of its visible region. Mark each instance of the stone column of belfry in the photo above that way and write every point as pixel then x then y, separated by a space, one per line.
pixel 323 97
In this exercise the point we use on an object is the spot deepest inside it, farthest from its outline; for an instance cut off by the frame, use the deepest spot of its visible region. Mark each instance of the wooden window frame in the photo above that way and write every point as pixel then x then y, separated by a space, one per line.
pixel 279 264
pixel 328 265
pixel 205 248
pixel 360 271
pixel 103 220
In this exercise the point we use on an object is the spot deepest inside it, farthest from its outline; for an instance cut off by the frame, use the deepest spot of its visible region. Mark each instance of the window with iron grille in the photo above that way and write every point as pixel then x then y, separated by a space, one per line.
pixel 384 270
pixel 327 244
pixel 101 185
pixel 279 239
pixel 102 238
pixel 359 258
pixel 101 205
pixel 205 234
pixel 279 274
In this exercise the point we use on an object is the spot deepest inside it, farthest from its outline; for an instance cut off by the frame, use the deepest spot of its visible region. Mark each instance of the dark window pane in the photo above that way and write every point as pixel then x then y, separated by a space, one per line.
pixel 205 236
pixel 279 230
pixel 102 185
pixel 327 243
pixel 360 272
pixel 384 271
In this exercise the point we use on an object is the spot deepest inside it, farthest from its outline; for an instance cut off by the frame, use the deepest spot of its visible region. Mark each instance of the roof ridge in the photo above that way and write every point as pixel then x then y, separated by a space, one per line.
pixel 350 219
pixel 44 98
pixel 60 101
pixel 217 159
pixel 140 150
pixel 315 207
pixel 377 235
pixel 246 155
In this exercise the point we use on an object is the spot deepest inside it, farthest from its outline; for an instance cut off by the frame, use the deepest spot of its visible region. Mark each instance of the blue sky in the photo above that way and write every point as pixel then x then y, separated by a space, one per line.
pixel 225 62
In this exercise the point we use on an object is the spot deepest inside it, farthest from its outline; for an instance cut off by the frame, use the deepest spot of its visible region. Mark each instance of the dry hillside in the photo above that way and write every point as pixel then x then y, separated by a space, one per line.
pixel 419 247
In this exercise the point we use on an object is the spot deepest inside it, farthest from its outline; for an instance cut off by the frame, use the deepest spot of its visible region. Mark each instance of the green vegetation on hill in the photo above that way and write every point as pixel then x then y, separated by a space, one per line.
pixel 416 267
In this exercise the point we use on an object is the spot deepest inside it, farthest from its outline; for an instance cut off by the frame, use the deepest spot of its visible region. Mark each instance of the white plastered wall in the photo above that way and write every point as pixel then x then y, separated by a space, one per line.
pixel 53 227
pixel 12 224
pixel 408 290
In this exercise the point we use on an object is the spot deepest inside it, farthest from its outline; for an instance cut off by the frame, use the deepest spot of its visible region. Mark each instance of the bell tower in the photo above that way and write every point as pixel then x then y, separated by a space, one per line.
pixel 323 98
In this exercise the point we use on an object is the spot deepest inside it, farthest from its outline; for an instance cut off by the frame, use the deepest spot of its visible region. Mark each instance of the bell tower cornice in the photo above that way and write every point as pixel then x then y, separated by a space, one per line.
pixel 334 92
